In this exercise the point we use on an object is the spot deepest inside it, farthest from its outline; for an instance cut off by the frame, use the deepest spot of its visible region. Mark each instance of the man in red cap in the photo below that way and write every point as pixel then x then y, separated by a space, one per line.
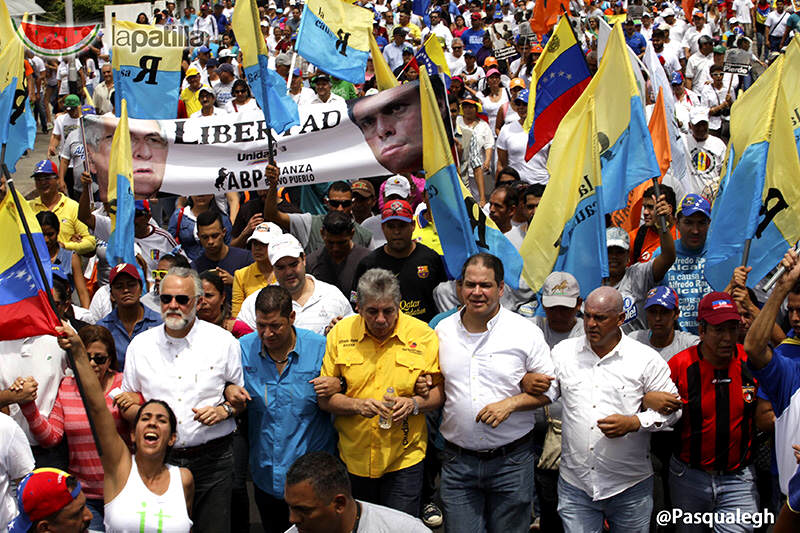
pixel 51 500
pixel 711 469
pixel 418 268
pixel 129 316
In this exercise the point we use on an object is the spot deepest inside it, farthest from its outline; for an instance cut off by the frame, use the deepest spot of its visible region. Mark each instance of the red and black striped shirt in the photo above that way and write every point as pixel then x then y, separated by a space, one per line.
pixel 718 423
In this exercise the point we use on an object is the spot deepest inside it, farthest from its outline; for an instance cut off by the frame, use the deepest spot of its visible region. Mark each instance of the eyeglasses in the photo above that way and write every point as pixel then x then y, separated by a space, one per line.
pixel 158 274
pixel 182 299
pixel 98 359
pixel 458 48
pixel 239 91
pixel 340 203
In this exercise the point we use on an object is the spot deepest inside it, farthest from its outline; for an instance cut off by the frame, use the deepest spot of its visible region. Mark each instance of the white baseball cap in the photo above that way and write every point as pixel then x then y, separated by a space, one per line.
pixel 667 13
pixel 285 245
pixel 617 237
pixel 560 288
pixel 397 185
pixel 698 114
pixel 265 233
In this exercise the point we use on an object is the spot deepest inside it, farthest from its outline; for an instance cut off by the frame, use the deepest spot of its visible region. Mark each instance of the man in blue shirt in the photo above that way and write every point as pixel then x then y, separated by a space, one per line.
pixel 635 40
pixel 473 37
pixel 129 317
pixel 687 275
pixel 778 370
pixel 281 373
pixel 187 20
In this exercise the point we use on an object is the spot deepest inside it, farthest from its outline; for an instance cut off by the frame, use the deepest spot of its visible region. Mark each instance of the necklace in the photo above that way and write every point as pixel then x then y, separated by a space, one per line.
pixel 279 362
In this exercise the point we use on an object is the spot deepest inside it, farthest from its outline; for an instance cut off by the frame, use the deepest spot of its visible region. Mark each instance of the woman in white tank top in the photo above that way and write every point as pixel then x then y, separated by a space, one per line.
pixel 142 494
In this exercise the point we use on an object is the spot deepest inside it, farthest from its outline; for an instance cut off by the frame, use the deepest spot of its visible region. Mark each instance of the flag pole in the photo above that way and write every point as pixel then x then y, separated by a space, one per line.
pixel 746 252
pixel 662 220
pixel 70 359
pixel 264 91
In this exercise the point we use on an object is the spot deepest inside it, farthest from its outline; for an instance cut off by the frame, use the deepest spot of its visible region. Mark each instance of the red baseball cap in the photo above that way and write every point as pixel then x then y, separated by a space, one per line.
pixel 42 493
pixel 397 210
pixel 716 308
pixel 124 268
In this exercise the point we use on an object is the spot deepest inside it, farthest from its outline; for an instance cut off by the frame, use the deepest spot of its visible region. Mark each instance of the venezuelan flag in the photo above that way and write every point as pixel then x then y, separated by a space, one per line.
pixel 269 89
pixel 24 307
pixel 334 36
pixel 759 196
pixel 431 56
pixel 601 150
pixel 464 229
pixel 561 75
pixel 120 189
pixel 383 74
pixel 146 62
pixel 17 126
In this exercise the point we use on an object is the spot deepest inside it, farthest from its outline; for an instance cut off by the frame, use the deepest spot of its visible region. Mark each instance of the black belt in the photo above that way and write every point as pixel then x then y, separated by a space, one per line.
pixel 211 446
pixel 715 472
pixel 500 451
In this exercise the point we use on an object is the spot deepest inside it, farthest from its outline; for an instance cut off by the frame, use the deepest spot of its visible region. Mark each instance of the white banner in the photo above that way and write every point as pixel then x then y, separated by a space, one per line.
pixel 228 152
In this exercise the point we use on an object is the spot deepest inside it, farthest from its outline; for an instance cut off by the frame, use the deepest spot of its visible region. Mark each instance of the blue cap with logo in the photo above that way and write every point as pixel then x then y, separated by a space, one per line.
pixel 523 96
pixel 694 203
pixel 663 296
pixel 44 167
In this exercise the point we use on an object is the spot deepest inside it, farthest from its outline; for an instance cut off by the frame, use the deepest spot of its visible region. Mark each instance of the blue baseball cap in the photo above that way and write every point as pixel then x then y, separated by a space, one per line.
pixel 523 96
pixel 663 296
pixel 44 167
pixel 694 203
pixel 87 110
pixel 203 50
pixel 677 78
pixel 142 205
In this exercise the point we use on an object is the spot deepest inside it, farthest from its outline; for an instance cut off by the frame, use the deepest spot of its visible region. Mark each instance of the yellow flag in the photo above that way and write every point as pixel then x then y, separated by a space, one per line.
pixel 120 166
pixel 383 74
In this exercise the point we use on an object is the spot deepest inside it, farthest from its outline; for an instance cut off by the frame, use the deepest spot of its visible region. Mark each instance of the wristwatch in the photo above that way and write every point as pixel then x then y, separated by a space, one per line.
pixel 415 412
pixel 342 385
pixel 228 409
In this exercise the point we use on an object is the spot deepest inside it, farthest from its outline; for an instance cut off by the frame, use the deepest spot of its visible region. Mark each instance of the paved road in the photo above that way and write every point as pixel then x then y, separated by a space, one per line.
pixel 22 178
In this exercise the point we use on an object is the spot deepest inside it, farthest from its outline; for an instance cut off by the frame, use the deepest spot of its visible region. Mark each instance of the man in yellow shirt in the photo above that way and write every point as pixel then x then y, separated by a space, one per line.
pixel 73 235
pixel 191 94
pixel 377 350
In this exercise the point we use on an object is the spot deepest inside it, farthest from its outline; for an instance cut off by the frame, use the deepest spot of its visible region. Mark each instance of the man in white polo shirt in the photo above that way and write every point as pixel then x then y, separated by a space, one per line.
pixel 315 303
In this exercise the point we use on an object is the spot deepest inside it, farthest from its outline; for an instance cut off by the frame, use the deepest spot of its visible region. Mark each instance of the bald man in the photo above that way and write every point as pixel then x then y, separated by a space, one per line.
pixel 602 378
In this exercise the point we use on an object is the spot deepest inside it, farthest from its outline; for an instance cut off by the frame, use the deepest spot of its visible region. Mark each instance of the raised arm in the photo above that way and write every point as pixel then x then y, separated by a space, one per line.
pixel 116 458
pixel 755 342
pixel 271 212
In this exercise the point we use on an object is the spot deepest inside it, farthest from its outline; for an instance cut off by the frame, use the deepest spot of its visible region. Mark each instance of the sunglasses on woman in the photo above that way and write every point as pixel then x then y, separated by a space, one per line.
pixel 98 359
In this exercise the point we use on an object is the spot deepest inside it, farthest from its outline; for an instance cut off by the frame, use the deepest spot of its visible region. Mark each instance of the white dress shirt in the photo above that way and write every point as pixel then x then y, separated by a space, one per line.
pixel 593 388
pixel 484 368
pixel 325 303
pixel 40 357
pixel 186 373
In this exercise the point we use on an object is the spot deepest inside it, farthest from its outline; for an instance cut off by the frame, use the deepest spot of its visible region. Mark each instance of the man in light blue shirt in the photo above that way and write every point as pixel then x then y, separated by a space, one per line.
pixel 281 366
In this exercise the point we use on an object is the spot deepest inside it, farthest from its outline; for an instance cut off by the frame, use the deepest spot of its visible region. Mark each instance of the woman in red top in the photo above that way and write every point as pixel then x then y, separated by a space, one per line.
pixel 68 418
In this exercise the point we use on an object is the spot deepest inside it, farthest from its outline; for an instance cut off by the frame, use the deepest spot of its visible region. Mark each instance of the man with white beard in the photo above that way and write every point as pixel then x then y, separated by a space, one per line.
pixel 187 363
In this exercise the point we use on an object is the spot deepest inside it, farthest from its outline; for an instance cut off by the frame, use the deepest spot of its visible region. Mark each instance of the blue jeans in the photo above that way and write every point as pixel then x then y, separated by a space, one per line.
pixel 696 491
pixel 492 495
pixel 98 512
pixel 401 489
pixel 628 511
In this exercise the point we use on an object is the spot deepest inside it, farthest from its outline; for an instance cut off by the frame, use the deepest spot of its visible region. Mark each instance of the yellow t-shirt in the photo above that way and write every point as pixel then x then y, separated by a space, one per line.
pixel 370 367
pixel 246 281
pixel 67 212
pixel 191 99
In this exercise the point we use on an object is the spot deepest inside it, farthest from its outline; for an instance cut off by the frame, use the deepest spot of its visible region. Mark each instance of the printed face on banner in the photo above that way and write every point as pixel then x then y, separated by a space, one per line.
pixel 149 149
pixel 391 122
pixel 373 136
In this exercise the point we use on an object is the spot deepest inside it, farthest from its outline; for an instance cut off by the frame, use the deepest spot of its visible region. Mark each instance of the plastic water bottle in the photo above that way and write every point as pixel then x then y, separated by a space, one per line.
pixel 383 422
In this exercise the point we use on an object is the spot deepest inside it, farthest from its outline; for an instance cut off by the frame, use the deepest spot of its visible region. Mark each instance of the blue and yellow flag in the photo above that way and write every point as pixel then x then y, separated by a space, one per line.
pixel 334 36
pixel 24 308
pixel 17 126
pixel 790 80
pixel 120 192
pixel 384 76
pixel 147 69
pixel 463 227
pixel 432 57
pixel 601 150
pixel 559 77
pixel 268 88
pixel 759 195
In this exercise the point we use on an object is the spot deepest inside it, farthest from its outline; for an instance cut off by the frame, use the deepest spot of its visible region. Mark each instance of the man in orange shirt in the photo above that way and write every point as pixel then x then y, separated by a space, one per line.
pixel 645 239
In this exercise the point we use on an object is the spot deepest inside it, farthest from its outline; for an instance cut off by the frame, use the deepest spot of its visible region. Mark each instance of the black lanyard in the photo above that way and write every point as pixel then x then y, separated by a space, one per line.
pixel 358 517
